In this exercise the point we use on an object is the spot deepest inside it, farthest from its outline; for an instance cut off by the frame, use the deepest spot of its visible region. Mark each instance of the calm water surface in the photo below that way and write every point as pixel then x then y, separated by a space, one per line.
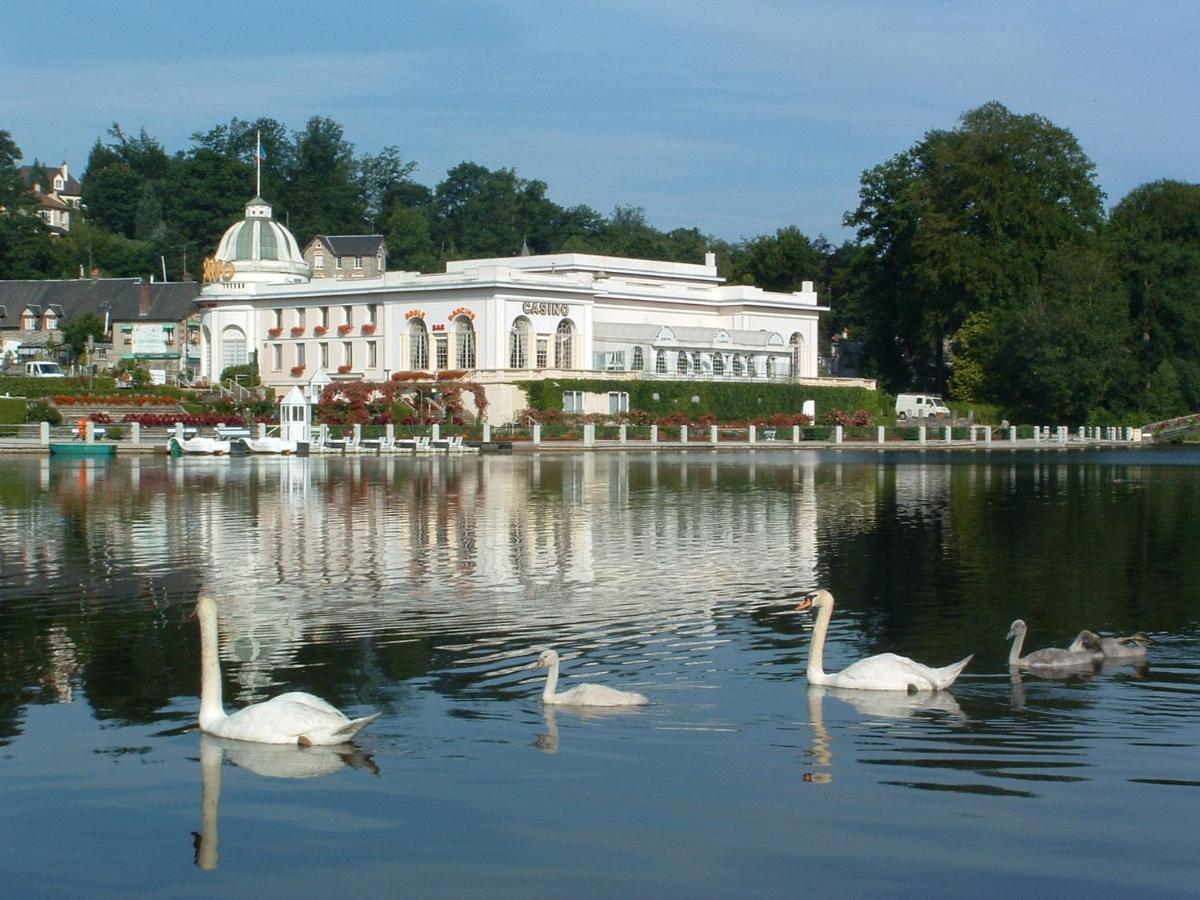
pixel 422 587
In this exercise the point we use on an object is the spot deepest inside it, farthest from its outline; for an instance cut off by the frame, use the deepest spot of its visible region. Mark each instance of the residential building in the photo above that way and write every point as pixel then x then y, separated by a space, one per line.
pixel 58 194
pixel 346 256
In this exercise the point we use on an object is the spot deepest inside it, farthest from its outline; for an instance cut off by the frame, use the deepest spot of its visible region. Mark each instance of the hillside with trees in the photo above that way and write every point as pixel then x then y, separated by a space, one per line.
pixel 984 263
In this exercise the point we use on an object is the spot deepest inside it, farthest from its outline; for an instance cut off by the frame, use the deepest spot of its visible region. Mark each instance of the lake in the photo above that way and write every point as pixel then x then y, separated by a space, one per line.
pixel 425 587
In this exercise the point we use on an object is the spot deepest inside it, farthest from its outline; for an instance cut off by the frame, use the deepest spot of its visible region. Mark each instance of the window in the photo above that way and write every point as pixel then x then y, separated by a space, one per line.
pixel 233 347
pixel 319 261
pixel 464 343
pixel 618 402
pixel 797 345
pixel 277 356
pixel 737 364
pixel 372 358
pixel 718 364
pixel 614 361
pixel 696 367
pixel 770 367
pixel 441 352
pixel 300 316
pixel 323 350
pixel 324 316
pixel 518 344
pixel 564 345
pixel 349 313
pixel 681 363
pixel 58 182
pixel 543 353
pixel 639 363
pixel 418 345
pixel 300 353
pixel 337 264
pixel 573 401
pixel 660 362
pixel 358 262
pixel 348 354
pixel 373 313
pixel 277 315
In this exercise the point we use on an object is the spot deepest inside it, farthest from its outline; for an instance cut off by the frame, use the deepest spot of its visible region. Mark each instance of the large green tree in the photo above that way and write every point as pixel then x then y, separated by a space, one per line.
pixel 1155 234
pixel 965 222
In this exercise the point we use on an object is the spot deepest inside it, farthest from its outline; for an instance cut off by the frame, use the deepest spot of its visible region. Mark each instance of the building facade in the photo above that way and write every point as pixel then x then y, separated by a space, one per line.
pixel 503 320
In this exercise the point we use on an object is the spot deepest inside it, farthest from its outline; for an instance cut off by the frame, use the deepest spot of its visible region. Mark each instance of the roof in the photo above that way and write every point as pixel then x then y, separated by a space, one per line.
pixel 119 297
pixel 352 244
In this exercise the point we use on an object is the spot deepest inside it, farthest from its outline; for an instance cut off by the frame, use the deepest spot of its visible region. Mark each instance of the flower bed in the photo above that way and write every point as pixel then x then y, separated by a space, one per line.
pixel 112 400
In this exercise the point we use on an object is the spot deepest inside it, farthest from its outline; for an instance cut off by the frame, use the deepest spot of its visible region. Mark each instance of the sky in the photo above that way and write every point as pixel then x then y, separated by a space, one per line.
pixel 736 118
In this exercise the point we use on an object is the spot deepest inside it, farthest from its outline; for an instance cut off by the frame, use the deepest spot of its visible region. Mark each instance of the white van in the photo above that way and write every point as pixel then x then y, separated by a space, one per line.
pixel 44 369
pixel 921 406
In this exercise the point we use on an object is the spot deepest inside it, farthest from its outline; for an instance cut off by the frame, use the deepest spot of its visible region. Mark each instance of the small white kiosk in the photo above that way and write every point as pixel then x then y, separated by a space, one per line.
pixel 295 418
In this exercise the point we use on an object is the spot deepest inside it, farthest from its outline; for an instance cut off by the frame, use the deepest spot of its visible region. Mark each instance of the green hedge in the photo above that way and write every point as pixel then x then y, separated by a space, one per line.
pixel 728 401
pixel 12 410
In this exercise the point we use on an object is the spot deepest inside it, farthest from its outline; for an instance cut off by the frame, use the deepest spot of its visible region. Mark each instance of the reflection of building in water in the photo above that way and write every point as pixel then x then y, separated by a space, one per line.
pixel 63 664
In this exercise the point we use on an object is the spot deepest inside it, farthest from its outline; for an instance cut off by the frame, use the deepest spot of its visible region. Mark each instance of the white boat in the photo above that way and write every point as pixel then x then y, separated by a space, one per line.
pixel 203 446
pixel 268 445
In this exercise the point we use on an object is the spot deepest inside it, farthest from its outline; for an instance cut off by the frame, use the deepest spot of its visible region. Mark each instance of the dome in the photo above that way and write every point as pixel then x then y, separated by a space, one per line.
pixel 261 249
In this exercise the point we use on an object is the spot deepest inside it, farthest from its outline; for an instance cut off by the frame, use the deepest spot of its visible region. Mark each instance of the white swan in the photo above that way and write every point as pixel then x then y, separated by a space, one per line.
pixel 1131 646
pixel 291 718
pixel 885 672
pixel 584 694
pixel 1087 653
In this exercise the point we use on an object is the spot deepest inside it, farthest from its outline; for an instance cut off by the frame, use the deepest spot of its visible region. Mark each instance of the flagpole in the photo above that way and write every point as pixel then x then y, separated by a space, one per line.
pixel 258 163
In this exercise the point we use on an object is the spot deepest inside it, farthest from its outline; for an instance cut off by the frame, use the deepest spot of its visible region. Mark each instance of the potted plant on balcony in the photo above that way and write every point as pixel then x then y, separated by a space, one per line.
pixel 297 330
pixel 320 330
pixel 297 371
pixel 343 370
pixel 274 332
pixel 345 329
pixel 368 328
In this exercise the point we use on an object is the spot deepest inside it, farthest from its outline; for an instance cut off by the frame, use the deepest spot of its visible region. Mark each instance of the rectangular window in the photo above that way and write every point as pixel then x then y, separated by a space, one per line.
pixel 543 352
pixel 358 262
pixel 373 313
pixel 573 401
pixel 300 316
pixel 442 356
pixel 618 402
pixel 324 316
pixel 300 353
pixel 348 354
pixel 338 264
pixel 278 316
pixel 277 356
pixel 372 359
pixel 319 261
pixel 323 349
pixel 614 360
pixel 349 311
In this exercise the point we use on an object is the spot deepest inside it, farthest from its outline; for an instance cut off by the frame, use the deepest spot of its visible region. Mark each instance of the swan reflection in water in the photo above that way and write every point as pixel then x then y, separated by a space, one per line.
pixel 269 761
pixel 548 742
pixel 871 704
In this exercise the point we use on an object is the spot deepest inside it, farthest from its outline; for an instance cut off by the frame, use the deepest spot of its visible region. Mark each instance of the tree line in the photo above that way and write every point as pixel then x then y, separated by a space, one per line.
pixel 984 263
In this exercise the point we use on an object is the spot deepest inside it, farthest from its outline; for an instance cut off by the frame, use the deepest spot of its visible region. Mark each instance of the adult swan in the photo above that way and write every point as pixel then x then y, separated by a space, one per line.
pixel 291 718
pixel 885 672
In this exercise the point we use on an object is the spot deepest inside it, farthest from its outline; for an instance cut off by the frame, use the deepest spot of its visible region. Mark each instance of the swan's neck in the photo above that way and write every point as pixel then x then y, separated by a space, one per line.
pixel 1014 655
pixel 816 653
pixel 211 709
pixel 551 682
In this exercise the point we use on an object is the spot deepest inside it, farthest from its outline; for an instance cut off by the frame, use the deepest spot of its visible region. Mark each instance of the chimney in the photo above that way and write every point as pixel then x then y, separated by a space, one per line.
pixel 143 299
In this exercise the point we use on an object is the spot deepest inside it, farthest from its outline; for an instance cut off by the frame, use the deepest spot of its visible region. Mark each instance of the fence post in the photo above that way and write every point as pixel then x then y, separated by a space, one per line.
pixel 795 434
pixel 44 434
pixel 880 436
pixel 621 433
pixel 948 434
pixel 987 435
pixel 1012 434
pixel 486 435
pixel 712 434
pixel 654 434
pixel 753 435
pixel 358 434
pixel 537 432
pixel 589 434
pixel 683 437
pixel 135 433
pixel 837 434
pixel 921 435
pixel 262 430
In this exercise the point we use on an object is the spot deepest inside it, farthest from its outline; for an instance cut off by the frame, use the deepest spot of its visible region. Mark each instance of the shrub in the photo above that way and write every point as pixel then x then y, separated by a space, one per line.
pixel 41 411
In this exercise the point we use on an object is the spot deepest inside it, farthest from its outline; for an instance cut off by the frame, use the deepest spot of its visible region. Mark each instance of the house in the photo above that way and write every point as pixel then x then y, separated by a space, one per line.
pixel 58 194
pixel 346 256
pixel 157 324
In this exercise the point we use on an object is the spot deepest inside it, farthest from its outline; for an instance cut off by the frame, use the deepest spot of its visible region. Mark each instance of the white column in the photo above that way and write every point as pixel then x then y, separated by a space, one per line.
pixel 712 434
pixel 880 436
pixel 622 430
pixel 537 432
pixel 753 434
pixel 44 434
pixel 921 434
pixel 683 434
pixel 654 434
pixel 837 434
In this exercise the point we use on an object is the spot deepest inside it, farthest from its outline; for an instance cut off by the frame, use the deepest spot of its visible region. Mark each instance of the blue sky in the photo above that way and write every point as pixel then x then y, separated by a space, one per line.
pixel 736 118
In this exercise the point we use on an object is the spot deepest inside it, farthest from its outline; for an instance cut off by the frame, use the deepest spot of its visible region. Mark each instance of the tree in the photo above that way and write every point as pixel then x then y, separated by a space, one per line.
pixel 26 250
pixel 1155 236
pixel 966 221
pixel 778 262
pixel 76 331
pixel 323 194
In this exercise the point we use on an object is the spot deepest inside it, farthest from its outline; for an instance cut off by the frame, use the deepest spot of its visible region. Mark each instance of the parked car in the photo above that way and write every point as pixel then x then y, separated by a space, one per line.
pixel 44 369
pixel 921 406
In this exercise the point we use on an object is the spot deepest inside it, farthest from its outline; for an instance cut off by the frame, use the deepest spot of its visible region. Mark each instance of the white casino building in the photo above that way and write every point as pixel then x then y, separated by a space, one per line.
pixel 504 320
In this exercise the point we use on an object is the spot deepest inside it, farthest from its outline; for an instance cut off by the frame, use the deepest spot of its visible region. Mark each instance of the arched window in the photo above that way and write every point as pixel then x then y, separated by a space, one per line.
pixel 737 365
pixel 796 341
pixel 564 344
pixel 718 364
pixel 464 343
pixel 639 363
pixel 233 347
pixel 418 345
pixel 518 344
pixel 681 363
pixel 660 362
pixel 697 367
